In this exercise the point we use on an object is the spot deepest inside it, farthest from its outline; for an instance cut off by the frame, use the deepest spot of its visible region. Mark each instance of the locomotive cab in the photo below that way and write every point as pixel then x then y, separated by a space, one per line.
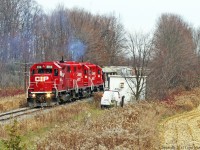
pixel 44 84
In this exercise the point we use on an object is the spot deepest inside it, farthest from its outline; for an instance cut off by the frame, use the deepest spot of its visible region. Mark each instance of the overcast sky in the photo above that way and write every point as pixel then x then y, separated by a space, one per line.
pixel 135 15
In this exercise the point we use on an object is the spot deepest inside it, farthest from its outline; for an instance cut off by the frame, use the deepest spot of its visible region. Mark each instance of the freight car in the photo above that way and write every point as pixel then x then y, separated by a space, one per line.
pixel 52 83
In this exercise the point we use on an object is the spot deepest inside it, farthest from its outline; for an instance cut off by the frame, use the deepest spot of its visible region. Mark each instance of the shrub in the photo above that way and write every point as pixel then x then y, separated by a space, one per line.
pixel 12 102
pixel 97 99
pixel 14 141
pixel 187 101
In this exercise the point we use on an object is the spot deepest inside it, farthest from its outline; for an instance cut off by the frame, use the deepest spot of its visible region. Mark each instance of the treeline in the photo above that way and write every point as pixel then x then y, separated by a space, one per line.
pixel 29 34
pixel 169 56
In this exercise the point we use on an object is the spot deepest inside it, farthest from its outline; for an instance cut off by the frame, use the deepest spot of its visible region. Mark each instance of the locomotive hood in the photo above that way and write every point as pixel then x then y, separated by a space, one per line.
pixel 43 76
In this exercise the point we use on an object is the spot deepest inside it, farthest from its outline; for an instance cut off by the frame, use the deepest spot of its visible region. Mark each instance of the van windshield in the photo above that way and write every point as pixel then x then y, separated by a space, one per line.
pixel 44 71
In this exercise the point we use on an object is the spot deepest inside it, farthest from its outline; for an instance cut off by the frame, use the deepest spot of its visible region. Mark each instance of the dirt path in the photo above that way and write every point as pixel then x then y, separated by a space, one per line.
pixel 181 131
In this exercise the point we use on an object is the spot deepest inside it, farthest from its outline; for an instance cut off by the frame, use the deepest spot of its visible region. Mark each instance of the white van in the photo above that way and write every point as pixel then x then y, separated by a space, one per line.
pixel 110 98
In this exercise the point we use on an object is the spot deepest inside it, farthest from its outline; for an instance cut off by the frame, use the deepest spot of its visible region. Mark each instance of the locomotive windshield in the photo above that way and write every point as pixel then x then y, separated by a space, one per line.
pixel 44 71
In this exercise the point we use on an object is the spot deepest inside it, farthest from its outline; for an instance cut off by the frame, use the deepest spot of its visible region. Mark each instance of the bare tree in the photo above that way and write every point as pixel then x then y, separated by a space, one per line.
pixel 16 37
pixel 52 34
pixel 114 40
pixel 16 28
pixel 103 36
pixel 196 39
pixel 139 50
pixel 174 58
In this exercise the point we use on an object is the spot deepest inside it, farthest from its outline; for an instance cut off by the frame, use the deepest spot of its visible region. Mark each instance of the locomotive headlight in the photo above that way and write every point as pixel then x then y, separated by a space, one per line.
pixel 33 95
pixel 48 95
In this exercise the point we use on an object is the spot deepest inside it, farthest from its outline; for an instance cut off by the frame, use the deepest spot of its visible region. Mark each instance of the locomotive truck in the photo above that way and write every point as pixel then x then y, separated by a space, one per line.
pixel 55 82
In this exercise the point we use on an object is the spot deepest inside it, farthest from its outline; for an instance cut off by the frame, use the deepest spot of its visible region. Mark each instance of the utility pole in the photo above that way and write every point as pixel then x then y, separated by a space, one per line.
pixel 25 76
pixel 25 66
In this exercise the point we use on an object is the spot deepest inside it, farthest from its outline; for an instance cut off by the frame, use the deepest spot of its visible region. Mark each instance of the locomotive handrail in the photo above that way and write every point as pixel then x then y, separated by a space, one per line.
pixel 42 81
pixel 55 87
pixel 75 85
pixel 92 84
pixel 47 82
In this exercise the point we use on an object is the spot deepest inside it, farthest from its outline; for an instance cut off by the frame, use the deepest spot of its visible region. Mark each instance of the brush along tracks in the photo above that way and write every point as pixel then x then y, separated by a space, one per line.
pixel 29 112
pixel 181 131
pixel 17 113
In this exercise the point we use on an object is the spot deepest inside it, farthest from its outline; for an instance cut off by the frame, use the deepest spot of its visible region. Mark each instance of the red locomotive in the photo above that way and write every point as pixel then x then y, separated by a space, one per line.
pixel 55 82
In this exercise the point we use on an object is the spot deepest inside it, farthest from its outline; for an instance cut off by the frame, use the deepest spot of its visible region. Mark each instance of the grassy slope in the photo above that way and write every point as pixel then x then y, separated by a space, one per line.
pixel 181 131
pixel 83 126
pixel 36 128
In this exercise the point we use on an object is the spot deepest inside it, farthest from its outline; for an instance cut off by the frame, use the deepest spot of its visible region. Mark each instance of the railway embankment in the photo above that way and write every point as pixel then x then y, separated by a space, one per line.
pixel 145 125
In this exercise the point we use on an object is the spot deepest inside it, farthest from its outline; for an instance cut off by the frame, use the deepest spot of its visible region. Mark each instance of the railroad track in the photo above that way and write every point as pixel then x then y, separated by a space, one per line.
pixel 24 111
pixel 16 113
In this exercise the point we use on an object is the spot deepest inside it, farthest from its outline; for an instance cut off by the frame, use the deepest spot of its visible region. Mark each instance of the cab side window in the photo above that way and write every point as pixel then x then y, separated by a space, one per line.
pixel 85 72
pixel 33 72
pixel 99 71
pixel 55 72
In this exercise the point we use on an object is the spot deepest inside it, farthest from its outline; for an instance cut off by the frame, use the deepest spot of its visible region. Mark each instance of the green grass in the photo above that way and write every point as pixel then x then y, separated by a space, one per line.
pixel 30 138
pixel 1 145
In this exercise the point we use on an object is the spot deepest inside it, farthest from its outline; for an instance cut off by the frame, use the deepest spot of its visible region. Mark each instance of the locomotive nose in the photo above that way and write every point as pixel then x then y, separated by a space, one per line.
pixel 43 83
pixel 42 78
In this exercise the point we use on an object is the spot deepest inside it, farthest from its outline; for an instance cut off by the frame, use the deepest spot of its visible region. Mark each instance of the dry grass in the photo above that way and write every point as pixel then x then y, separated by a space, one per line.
pixel 97 99
pixel 181 129
pixel 54 117
pixel 188 100
pixel 80 125
pixel 12 102
pixel 133 127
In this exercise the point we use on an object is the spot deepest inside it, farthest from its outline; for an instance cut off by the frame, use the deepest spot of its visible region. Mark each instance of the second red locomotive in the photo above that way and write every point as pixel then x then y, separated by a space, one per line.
pixel 51 83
